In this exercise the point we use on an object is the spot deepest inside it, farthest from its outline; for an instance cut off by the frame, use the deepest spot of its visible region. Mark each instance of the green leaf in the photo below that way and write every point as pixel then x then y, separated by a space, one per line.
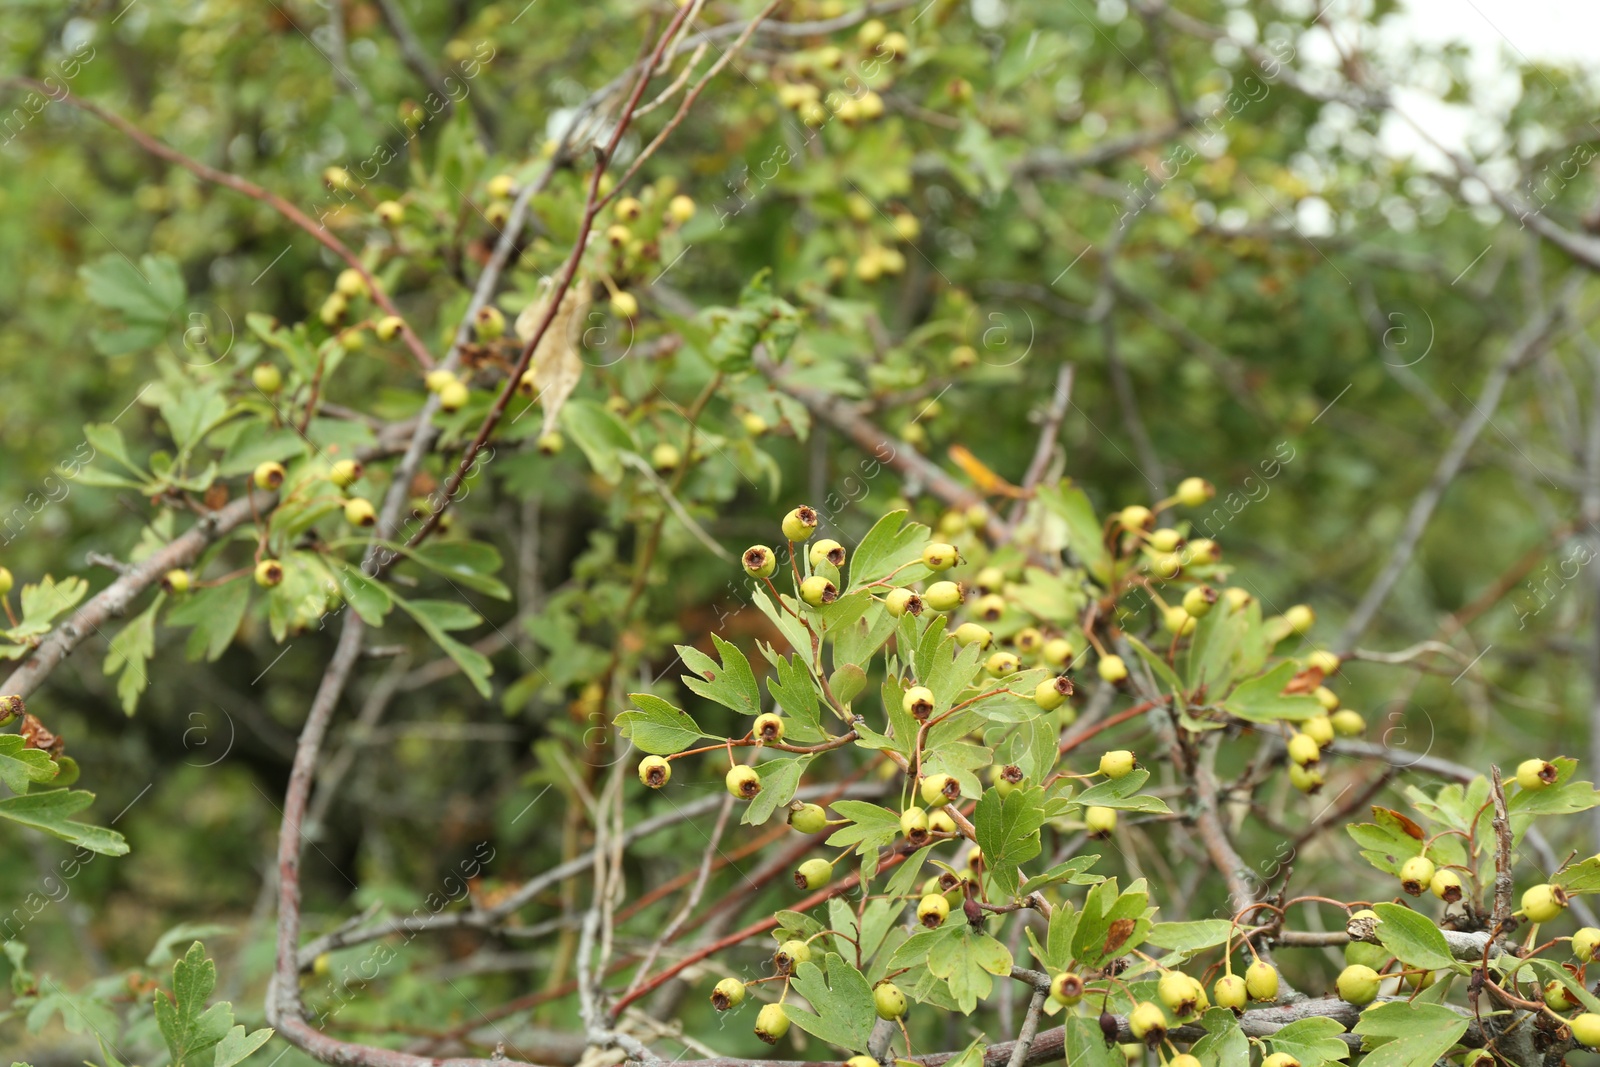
pixel 1008 832
pixel 1563 797
pixel 967 960
pixel 165 949
pixel 601 436
pixel 659 728
pixel 1084 532
pixel 130 652
pixel 870 826
pixel 796 693
pixel 890 543
pixel 730 683
pixel 1262 699
pixel 1086 1047
pixel 48 812
pixel 1103 909
pixel 473 564
pixel 238 1046
pixel 847 682
pixel 779 780
pixel 1311 1041
pixel 1224 1044
pixel 20 765
pixel 106 440
pixel 1398 1034
pixel 41 603
pixel 215 612
pixel 189 1027
pixel 367 598
pixel 1191 937
pixel 1580 877
pixel 257 443
pixel 1413 938
pixel 474 664
pixel 148 293
pixel 1123 794
pixel 842 999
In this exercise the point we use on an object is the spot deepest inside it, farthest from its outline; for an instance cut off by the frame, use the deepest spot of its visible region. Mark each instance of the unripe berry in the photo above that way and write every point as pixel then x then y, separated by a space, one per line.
pixel 938 556
pixel 333 309
pixel 1446 885
pixel 267 378
pixel 932 910
pixel 1585 943
pixel 1303 748
pixel 861 1061
pixel 990 580
pixel 350 283
pixel 917 702
pixel 759 561
pixel 1112 669
pixel 618 235
pixel 1324 661
pixel 268 475
pixel 624 305
pixel 1261 981
pixel 336 178
pixel 550 443
pixel 827 550
pixel 1028 640
pixel 1118 763
pixel 501 187
pixel 1230 993
pixel 176 581
pixel 1542 903
pixel 790 955
pixel 1358 985
pixel 1002 665
pixel 1147 1022
pixel 655 772
pixel 1134 517
pixel 813 874
pixel 436 379
pixel 975 858
pixel 1199 600
pixel 888 1001
pixel 914 824
pixel 1347 723
pixel 1416 874
pixel 1067 988
pixel 1320 729
pixel 1099 821
pixel 1280 1059
pixel 800 523
pixel 753 424
pixel 870 33
pixel 489 323
pixel 269 572
pixel 772 1022
pixel 1557 998
pixel 453 397
pixel 358 511
pixel 808 818
pixel 1051 693
pixel 1057 651
pixel 498 213
pixel 390 212
pixel 680 209
pixel 665 456
pixel 1166 565
pixel 1178 621
pixel 990 607
pixel 943 596
pixel 1183 1059
pixel 902 601
pixel 768 727
pixel 963 357
pixel 727 994
pixel 1192 492
pixel 1165 539
pixel 1179 992
pixel 345 473
pixel 1005 778
pixel 7 582
pixel 743 782
pixel 1306 779
pixel 389 327
pixel 970 633
pixel 1586 1029
pixel 937 790
pixel 1203 551
pixel 628 209
pixel 817 591
pixel 940 822
pixel 1536 774
pixel 1300 618
pixel 1326 697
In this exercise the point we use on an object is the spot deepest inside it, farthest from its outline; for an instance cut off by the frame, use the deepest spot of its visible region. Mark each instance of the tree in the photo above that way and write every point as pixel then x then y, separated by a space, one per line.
pixel 973 285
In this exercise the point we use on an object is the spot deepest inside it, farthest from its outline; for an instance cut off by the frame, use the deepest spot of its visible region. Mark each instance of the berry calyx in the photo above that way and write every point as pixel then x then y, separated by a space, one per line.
pixel 1002 665
pixel 827 550
pixel 268 475
pixel 1358 985
pixel 1543 903
pixel 943 596
pixel 902 602
pixel 932 910
pixel 808 818
pixel 727 994
pixel 888 1001
pixel 1118 763
pixel 1586 1029
pixel 768 726
pixel 772 1022
pixel 1100 821
pixel 1192 492
pixel 937 790
pixel 1536 774
pixel 1051 693
pixel 800 523
pixel 1147 1022
pixel 1446 885
pixel 817 591
pixel 1229 992
pixel 759 561
pixel 790 955
pixel 743 782
pixel 1067 988
pixel 1111 669
pixel 914 824
pixel 813 874
pixel 655 772
pixel 970 633
pixel 1005 778
pixel 917 702
pixel 938 556
pixel 345 473
pixel 266 378
pixel 1416 874
pixel 358 511
pixel 269 572
pixel 1261 981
